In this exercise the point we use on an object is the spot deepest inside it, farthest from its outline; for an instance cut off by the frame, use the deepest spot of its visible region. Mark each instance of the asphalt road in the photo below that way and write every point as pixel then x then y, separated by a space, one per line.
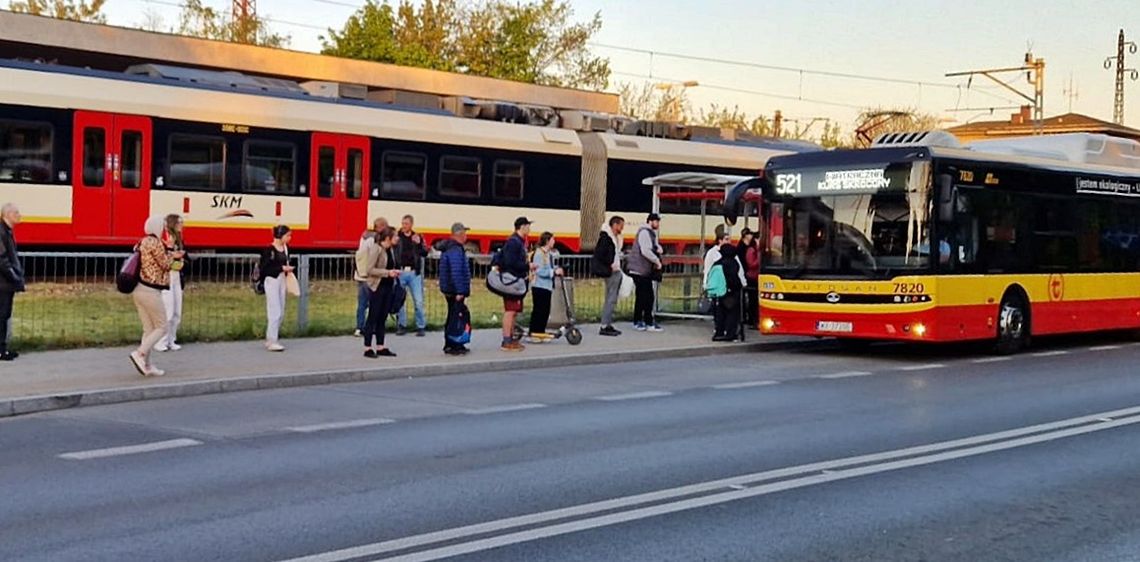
pixel 895 453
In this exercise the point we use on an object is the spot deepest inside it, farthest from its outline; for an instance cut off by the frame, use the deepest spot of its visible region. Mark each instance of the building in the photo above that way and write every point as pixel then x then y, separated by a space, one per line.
pixel 111 48
pixel 1021 124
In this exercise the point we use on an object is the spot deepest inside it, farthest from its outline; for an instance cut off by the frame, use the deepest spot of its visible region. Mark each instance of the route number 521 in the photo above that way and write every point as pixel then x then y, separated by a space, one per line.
pixel 789 184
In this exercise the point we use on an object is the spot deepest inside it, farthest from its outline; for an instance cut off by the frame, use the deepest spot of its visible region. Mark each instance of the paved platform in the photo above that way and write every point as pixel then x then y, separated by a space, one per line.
pixel 62 379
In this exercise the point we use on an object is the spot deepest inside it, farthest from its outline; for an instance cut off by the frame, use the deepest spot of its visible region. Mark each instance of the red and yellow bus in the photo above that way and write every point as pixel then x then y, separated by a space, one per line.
pixel 920 239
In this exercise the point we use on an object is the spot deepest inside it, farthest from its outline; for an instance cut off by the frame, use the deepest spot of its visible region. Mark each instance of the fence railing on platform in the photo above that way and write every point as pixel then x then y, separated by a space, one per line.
pixel 71 299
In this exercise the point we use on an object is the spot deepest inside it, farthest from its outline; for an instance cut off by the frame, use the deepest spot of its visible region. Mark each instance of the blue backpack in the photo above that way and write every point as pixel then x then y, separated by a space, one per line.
pixel 716 285
pixel 458 331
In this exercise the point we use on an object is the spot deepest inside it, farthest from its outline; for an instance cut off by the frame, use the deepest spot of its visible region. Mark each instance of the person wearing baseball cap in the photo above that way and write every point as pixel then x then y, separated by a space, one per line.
pixel 515 262
pixel 454 283
pixel 644 262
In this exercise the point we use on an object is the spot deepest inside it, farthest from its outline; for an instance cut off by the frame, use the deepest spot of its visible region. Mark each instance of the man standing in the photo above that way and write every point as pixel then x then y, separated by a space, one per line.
pixel 514 262
pixel 645 268
pixel 410 253
pixel 454 281
pixel 11 275
pixel 606 264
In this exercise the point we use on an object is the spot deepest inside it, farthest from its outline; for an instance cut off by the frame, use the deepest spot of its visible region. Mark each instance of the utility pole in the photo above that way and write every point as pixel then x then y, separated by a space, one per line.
pixel 245 21
pixel 1118 101
pixel 1034 69
pixel 1071 92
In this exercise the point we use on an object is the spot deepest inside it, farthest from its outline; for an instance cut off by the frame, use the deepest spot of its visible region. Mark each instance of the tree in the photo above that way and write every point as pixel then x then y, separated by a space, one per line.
pixel 74 10
pixel 199 20
pixel 536 42
pixel 873 122
pixel 654 102
pixel 152 21
pixel 721 116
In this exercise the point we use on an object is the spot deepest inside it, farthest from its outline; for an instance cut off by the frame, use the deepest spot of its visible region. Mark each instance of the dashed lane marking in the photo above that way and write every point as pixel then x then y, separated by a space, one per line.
pixel 846 375
pixel 925 367
pixel 633 396
pixel 503 409
pixel 129 450
pixel 350 424
pixel 749 384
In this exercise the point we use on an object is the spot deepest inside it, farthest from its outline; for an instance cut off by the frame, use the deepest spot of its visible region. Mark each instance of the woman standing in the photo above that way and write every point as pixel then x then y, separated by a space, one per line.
pixel 172 297
pixel 154 277
pixel 543 289
pixel 749 254
pixel 274 269
pixel 377 263
pixel 727 324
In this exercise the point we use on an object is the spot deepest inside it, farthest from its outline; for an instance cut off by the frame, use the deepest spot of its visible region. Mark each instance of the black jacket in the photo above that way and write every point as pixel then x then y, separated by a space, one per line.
pixel 410 254
pixel 602 263
pixel 11 267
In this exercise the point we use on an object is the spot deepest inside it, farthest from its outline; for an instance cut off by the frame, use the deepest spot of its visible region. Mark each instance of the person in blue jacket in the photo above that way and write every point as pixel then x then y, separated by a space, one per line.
pixel 454 281
pixel 514 261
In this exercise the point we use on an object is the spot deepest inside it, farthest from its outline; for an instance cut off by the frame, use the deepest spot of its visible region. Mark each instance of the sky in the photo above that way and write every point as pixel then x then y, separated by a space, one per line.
pixel 912 42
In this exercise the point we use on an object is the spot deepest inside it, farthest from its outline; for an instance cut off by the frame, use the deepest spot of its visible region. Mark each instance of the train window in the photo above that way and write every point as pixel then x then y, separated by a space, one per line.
pixel 94 156
pixel 460 176
pixel 404 175
pixel 131 153
pixel 269 167
pixel 25 152
pixel 508 180
pixel 197 162
pixel 326 171
pixel 355 180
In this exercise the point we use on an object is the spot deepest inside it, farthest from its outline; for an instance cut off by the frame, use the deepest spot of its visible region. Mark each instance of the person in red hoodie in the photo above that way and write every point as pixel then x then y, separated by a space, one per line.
pixel 749 252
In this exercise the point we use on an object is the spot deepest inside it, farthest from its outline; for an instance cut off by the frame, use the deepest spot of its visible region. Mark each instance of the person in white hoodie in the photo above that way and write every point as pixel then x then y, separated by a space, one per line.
pixel 606 263
pixel 713 254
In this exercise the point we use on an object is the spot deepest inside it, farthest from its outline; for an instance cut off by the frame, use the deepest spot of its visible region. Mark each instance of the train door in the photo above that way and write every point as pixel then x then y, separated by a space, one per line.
pixel 111 175
pixel 338 210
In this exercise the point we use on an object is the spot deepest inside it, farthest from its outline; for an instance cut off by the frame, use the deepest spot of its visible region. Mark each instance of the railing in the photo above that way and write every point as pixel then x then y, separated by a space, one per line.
pixel 71 299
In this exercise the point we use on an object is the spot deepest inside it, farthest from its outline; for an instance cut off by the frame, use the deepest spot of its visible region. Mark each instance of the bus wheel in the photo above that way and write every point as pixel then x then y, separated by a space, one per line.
pixel 1013 324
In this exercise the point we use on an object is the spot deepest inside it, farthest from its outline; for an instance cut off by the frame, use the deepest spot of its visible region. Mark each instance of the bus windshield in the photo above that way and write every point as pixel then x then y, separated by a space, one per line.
pixel 872 222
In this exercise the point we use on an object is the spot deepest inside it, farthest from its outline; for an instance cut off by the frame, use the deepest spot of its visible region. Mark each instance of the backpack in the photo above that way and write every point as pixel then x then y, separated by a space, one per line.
pixel 128 277
pixel 497 258
pixel 458 331
pixel 717 285
pixel 256 281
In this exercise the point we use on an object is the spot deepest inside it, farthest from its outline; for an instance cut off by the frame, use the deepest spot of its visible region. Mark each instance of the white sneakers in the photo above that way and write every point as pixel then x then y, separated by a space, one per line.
pixel 161 346
pixel 139 361
pixel 274 346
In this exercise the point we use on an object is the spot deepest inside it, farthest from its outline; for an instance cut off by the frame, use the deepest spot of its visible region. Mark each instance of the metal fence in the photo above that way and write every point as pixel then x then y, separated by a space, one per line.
pixel 71 299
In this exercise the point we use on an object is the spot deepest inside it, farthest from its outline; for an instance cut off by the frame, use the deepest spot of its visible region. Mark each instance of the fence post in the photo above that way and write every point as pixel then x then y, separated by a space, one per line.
pixel 303 300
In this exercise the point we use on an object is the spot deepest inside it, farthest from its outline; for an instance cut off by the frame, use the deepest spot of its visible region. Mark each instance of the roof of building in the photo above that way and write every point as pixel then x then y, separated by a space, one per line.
pixel 115 48
pixel 1020 125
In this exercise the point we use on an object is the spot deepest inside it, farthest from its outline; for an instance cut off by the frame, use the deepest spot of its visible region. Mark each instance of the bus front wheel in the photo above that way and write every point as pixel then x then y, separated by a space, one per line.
pixel 1013 324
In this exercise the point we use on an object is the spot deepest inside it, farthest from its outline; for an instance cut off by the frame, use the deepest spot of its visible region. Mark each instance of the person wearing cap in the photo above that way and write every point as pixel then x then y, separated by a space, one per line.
pixel 644 263
pixel 454 281
pixel 515 262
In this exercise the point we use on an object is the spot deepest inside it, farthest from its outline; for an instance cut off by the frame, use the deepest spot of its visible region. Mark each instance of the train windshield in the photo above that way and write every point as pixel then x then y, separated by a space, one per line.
pixel 869 222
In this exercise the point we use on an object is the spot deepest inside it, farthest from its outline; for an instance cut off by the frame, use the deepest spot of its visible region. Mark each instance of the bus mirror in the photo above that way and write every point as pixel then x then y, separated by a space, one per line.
pixel 946 197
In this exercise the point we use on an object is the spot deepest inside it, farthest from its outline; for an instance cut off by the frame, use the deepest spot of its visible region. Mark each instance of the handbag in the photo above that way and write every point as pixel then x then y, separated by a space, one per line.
pixel 704 305
pixel 292 286
pixel 128 277
pixel 506 285
pixel 399 296
pixel 626 289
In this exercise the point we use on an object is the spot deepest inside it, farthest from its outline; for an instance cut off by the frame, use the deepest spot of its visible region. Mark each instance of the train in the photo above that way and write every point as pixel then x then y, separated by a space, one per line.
pixel 89 154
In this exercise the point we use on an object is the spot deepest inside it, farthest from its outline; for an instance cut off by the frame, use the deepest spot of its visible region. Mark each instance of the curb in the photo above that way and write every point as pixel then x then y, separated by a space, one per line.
pixel 48 402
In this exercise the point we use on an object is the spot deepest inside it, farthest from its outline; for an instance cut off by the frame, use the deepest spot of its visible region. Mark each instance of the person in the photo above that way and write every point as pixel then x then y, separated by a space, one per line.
pixel 544 272
pixel 514 262
pixel 606 263
pixel 362 292
pixel 713 254
pixel 274 269
pixel 726 314
pixel 377 263
pixel 410 253
pixel 11 275
pixel 154 277
pixel 644 263
pixel 172 297
pixel 748 252
pixel 454 281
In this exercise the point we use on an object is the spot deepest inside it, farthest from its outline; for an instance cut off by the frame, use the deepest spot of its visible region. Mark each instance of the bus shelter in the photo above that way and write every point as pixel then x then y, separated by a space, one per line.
pixel 681 289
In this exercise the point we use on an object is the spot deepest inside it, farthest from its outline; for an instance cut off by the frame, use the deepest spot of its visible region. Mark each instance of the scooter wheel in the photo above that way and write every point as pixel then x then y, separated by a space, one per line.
pixel 574 336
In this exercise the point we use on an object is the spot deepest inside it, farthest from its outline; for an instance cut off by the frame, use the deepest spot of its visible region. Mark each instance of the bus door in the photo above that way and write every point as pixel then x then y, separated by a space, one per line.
pixel 338 210
pixel 111 175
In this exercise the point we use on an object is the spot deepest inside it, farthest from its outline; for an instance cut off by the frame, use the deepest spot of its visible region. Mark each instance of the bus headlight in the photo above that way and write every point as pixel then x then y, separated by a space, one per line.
pixel 767 324
pixel 919 329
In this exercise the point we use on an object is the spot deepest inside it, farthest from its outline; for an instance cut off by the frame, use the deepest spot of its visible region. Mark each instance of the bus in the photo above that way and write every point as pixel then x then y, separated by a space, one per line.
pixel 921 239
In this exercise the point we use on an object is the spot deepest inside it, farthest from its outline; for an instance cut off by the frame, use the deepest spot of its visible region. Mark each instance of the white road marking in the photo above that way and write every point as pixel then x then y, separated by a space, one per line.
pixel 633 396
pixel 350 424
pixel 998 359
pixel 507 408
pixel 946 450
pixel 130 449
pixel 1104 348
pixel 846 375
pixel 926 367
pixel 749 384
pixel 1051 353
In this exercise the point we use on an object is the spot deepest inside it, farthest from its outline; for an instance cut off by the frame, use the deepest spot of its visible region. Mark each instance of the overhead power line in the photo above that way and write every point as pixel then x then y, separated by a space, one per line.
pixel 745 91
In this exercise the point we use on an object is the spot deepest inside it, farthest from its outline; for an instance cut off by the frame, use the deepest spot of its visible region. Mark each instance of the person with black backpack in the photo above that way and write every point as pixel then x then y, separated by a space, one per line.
pixel 727 317
pixel 153 277
pixel 606 264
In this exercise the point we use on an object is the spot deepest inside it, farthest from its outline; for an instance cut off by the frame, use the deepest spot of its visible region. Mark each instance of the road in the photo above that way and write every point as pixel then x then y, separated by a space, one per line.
pixel 894 453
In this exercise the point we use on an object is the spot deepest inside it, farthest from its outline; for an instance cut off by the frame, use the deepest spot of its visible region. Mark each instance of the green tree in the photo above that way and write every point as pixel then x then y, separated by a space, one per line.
pixel 721 116
pixel 655 102
pixel 536 42
pixel 74 10
pixel 876 121
pixel 199 20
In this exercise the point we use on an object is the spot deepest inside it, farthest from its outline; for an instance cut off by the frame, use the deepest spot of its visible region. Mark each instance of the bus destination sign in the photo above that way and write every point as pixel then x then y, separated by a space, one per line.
pixel 807 182
pixel 1101 186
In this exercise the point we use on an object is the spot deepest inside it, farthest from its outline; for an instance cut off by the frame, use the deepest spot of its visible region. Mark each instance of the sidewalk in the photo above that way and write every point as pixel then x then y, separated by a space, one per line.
pixel 64 379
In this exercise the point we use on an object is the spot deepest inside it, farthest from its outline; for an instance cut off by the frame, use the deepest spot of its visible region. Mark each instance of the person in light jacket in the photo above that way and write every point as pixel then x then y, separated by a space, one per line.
pixel 378 263
pixel 543 289
pixel 154 277
pixel 645 266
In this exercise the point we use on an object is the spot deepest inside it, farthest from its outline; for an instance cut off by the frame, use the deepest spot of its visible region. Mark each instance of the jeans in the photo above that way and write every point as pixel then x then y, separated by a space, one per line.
pixel 613 291
pixel 414 283
pixel 643 300
pixel 540 311
pixel 172 301
pixel 274 306
pixel 362 294
pixel 6 298
pixel 378 303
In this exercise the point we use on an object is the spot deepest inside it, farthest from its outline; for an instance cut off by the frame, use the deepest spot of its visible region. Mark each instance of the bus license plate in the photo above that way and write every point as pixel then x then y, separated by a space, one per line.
pixel 841 327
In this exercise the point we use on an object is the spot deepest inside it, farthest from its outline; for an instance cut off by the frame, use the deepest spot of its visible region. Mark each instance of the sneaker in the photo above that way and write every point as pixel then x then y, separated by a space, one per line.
pixel 139 361
pixel 639 326
pixel 401 331
pixel 385 353
pixel 357 333
pixel 512 346
pixel 656 328
pixel 9 356
pixel 174 347
pixel 370 353
pixel 420 333
pixel 155 372
pixel 609 331
pixel 274 347
pixel 160 346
